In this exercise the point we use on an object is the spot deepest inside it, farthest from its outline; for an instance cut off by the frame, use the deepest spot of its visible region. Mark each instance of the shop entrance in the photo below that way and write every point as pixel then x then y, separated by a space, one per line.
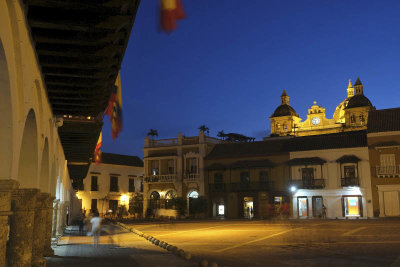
pixel 248 207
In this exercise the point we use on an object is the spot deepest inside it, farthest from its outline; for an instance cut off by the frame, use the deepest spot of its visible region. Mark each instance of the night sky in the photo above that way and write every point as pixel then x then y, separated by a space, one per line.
pixel 228 62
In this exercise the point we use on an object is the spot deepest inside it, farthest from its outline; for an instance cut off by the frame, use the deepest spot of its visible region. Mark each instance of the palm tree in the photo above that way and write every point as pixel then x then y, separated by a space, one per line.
pixel 204 128
pixel 152 133
pixel 221 134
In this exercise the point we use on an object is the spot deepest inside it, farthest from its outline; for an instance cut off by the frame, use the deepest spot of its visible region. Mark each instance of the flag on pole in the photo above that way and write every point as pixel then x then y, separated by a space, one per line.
pixel 114 108
pixel 171 11
pixel 97 151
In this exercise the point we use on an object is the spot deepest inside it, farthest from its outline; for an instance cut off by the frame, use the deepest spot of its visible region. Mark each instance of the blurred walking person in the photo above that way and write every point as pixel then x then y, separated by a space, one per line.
pixel 96 228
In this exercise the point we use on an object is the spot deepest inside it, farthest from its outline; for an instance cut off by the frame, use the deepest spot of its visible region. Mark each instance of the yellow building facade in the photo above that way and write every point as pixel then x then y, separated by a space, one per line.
pixel 350 115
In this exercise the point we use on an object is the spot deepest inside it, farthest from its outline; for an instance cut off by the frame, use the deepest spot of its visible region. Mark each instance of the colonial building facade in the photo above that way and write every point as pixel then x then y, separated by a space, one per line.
pixel 330 176
pixel 111 184
pixel 384 154
pixel 247 180
pixel 350 115
pixel 174 168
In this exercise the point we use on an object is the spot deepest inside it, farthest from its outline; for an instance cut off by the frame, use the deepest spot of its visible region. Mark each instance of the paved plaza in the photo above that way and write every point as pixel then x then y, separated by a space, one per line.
pixel 118 249
pixel 372 242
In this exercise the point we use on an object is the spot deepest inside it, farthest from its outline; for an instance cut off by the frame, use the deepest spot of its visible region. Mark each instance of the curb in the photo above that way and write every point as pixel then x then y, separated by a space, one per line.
pixel 173 249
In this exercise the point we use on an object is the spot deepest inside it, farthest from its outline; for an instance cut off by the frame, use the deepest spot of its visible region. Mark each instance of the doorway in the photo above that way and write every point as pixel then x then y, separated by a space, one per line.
pixel 248 207
pixel 317 203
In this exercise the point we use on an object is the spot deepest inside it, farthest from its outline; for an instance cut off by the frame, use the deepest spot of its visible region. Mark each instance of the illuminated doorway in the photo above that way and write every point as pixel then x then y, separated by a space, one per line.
pixel 302 205
pixel 352 206
pixel 221 210
pixel 248 207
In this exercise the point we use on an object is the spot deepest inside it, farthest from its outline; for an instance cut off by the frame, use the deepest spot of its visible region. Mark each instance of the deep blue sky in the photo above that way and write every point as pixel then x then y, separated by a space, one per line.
pixel 228 62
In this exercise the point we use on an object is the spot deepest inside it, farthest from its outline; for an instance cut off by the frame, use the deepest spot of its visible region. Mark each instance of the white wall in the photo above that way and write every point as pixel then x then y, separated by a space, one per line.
pixel 333 191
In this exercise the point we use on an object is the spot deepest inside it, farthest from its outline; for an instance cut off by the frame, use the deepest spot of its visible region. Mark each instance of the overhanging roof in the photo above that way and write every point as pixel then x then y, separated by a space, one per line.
pixel 80 46
pixel 248 164
pixel 307 161
pixel 348 159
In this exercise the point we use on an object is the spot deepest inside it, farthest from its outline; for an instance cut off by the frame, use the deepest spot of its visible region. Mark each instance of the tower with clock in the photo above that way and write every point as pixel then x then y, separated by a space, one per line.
pixel 351 114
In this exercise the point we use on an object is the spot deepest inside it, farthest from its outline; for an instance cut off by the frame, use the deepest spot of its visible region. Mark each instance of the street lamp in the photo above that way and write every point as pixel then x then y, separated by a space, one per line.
pixel 293 188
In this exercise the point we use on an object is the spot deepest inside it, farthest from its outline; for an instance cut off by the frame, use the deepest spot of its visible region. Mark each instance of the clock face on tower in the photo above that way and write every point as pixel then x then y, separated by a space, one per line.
pixel 315 120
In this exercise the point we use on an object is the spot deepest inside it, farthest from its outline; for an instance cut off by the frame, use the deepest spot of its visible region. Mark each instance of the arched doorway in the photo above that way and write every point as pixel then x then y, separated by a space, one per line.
pixel 154 200
pixel 28 156
pixel 44 170
pixel 194 203
pixel 6 129
pixel 170 199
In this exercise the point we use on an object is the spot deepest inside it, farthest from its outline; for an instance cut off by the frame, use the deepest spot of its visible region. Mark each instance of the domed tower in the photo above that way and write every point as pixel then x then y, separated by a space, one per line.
pixel 285 119
pixel 356 111
pixel 339 114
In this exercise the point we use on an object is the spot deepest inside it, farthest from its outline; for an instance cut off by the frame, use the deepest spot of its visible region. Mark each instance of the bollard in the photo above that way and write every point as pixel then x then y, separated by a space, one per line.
pixel 181 252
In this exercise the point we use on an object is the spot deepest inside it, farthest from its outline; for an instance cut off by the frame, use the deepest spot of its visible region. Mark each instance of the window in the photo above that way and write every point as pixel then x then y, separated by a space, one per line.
pixel 94 185
pixel 131 185
pixel 94 205
pixel 154 167
pixel 349 171
pixel 193 165
pixel 263 177
pixel 244 177
pixel 388 160
pixel 218 179
pixel 171 169
pixel 114 184
pixel 307 175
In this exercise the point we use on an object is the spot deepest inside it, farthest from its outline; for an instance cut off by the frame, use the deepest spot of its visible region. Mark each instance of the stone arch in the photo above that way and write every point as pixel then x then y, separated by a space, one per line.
pixel 6 129
pixel 154 200
pixel 28 155
pixel 43 180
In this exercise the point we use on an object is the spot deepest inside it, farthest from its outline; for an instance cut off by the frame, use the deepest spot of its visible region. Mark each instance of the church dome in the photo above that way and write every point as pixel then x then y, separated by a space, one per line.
pixel 358 101
pixel 284 110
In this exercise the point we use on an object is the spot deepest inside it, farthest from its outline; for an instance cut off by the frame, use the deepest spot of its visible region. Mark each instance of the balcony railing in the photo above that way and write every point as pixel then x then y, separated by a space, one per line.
pixel 237 187
pixel 350 181
pixel 160 178
pixel 191 176
pixel 309 183
pixel 388 171
pixel 255 186
pixel 190 140
pixel 214 140
pixel 218 187
pixel 163 142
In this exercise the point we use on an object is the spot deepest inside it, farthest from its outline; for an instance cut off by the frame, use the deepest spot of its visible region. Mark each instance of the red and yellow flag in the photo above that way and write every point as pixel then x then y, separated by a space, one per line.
pixel 97 151
pixel 171 11
pixel 114 108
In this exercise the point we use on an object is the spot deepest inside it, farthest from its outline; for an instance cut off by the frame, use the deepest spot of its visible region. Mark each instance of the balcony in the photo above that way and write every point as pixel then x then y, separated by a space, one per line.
pixel 165 178
pixel 191 177
pixel 217 187
pixel 255 186
pixel 350 181
pixel 388 171
pixel 190 140
pixel 163 142
pixel 309 183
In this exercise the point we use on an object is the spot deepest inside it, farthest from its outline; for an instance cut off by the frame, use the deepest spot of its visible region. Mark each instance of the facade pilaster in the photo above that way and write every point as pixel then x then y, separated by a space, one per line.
pixel 19 250
pixel 6 187
pixel 40 229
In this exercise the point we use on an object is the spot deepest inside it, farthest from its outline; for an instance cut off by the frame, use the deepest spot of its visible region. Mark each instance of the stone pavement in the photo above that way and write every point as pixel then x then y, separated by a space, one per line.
pixel 116 248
